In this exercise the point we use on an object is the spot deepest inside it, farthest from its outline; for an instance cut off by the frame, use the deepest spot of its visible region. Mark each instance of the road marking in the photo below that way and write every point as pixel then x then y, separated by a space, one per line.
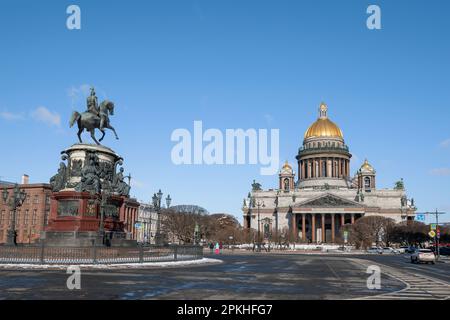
pixel 417 286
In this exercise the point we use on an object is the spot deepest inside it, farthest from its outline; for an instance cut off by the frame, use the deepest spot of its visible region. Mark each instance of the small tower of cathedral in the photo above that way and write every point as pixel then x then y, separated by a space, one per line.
pixel 286 177
pixel 366 177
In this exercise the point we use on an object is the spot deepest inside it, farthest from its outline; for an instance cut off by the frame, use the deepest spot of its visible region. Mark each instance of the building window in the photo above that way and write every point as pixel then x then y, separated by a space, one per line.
pixel 46 215
pixel 286 184
pixel 367 182
pixel 25 218
pixel 47 199
pixel 2 218
pixel 28 199
pixel 36 199
pixel 33 219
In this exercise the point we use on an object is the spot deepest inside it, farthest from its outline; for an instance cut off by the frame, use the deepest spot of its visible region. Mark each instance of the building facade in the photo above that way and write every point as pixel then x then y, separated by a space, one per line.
pixel 129 216
pixel 31 218
pixel 147 220
pixel 325 196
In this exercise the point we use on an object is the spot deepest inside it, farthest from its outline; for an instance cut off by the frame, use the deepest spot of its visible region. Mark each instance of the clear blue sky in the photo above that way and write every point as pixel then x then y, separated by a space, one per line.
pixel 232 64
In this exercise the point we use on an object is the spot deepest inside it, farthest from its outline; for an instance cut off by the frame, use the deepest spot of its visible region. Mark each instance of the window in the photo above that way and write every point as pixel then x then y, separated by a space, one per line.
pixel 17 217
pixel 33 219
pixel 36 199
pixel 2 218
pixel 367 182
pixel 47 213
pixel 286 184
pixel 47 199
pixel 25 218
pixel 28 199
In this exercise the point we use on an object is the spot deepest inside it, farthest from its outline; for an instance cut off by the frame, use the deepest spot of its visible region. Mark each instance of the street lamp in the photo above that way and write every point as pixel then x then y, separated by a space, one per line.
pixel 156 199
pixel 258 204
pixel 15 202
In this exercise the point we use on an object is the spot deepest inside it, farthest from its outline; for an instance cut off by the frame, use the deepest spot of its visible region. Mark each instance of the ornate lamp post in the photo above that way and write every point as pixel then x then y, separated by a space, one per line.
pixel 156 199
pixel 258 205
pixel 196 233
pixel 15 202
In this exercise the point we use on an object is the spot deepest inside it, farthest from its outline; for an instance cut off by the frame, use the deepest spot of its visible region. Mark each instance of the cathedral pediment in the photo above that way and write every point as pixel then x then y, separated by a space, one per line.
pixel 329 201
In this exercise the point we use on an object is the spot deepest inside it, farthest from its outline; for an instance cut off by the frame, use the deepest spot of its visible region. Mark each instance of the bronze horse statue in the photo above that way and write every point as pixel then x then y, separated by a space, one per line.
pixel 90 121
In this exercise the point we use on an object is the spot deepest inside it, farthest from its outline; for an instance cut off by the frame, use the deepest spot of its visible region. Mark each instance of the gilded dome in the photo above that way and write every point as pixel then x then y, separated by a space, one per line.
pixel 323 127
pixel 367 167
pixel 286 169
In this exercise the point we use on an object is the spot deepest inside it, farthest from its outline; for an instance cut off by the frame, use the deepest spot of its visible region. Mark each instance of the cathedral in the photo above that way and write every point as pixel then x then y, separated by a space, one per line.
pixel 325 197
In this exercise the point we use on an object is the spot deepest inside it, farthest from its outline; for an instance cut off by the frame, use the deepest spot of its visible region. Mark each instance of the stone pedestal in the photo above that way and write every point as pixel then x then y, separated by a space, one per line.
pixel 87 190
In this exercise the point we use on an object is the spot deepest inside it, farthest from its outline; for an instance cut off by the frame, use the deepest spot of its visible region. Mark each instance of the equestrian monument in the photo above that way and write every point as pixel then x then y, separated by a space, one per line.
pixel 91 202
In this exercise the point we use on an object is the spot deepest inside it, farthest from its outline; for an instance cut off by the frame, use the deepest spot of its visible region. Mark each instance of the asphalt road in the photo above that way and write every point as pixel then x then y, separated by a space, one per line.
pixel 253 276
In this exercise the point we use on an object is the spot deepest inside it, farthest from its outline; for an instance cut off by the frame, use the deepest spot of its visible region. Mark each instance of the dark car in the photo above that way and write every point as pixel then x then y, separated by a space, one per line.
pixel 443 251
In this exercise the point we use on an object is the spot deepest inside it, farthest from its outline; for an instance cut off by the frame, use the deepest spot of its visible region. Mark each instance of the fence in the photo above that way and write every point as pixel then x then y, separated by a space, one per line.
pixel 98 255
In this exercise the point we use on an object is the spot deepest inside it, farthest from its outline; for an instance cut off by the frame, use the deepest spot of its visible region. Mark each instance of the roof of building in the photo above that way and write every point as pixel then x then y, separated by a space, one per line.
pixel 323 127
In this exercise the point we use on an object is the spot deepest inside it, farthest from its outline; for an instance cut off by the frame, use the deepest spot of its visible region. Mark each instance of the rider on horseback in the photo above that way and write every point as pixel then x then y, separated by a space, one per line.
pixel 92 103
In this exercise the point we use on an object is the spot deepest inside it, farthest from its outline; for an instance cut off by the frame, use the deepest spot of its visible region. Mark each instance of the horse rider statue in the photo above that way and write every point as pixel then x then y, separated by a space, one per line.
pixel 95 117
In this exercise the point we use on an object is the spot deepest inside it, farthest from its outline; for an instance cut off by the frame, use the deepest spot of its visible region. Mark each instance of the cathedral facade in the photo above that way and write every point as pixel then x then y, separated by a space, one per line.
pixel 314 205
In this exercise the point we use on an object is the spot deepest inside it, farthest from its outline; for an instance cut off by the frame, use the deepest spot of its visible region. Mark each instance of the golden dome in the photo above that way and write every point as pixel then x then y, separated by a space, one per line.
pixel 323 127
pixel 287 166
pixel 367 167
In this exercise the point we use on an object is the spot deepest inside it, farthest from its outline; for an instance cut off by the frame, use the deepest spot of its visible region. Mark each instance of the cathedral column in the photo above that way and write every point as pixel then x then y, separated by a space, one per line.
pixel 303 227
pixel 332 228
pixel 329 168
pixel 294 227
pixel 309 168
pixel 313 227
pixel 322 218
pixel 348 168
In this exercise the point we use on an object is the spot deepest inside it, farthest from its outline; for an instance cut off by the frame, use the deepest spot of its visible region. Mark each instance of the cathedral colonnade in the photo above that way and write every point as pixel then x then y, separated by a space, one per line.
pixel 327 226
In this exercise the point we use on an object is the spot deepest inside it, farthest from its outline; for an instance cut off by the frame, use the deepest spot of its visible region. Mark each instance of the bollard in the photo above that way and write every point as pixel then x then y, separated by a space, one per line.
pixel 175 253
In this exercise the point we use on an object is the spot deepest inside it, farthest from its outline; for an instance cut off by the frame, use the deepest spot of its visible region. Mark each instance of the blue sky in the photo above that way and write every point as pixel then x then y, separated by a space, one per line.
pixel 232 64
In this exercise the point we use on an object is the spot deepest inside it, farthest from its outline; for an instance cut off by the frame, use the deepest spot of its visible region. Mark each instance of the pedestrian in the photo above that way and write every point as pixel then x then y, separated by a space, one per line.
pixel 211 247
pixel 220 247
pixel 217 251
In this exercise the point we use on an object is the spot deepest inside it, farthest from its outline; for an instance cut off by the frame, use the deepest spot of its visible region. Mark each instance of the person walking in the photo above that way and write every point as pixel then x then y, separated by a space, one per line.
pixel 211 247
pixel 217 250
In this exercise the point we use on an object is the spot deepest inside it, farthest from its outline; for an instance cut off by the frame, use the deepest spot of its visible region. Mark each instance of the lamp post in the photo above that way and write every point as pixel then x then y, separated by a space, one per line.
pixel 15 202
pixel 258 205
pixel 156 199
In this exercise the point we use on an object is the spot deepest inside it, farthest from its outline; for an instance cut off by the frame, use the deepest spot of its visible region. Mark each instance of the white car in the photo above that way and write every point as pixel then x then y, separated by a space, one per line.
pixel 423 255
pixel 390 250
pixel 375 250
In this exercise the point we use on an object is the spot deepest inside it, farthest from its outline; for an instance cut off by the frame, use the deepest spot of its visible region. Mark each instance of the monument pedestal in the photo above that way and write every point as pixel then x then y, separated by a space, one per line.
pixel 87 192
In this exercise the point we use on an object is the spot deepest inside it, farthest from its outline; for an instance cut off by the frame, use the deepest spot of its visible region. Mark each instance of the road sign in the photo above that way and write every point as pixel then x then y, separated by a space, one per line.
pixel 420 217
pixel 137 225
pixel 433 226
pixel 432 234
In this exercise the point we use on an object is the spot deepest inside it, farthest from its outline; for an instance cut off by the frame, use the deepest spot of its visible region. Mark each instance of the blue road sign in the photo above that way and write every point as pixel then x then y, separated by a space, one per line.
pixel 420 217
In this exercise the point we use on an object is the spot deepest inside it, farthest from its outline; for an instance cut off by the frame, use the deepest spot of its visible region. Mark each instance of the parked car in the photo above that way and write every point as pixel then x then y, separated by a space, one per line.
pixel 390 250
pixel 423 255
pixel 375 250
pixel 443 251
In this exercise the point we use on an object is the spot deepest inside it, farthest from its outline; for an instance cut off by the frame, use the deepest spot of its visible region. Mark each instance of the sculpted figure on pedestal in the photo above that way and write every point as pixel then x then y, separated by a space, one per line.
pixel 120 186
pixel 58 181
pixel 90 175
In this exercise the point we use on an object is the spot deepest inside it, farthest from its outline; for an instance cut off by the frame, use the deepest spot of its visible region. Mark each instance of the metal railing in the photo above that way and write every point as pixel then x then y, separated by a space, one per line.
pixel 98 255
